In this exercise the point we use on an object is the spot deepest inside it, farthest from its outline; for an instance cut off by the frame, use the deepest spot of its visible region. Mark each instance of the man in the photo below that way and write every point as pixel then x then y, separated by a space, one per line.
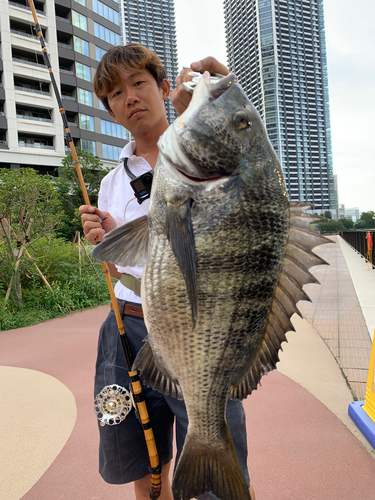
pixel 131 82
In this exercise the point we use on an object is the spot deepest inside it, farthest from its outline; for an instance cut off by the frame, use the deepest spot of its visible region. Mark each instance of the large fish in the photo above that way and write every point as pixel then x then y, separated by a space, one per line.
pixel 226 255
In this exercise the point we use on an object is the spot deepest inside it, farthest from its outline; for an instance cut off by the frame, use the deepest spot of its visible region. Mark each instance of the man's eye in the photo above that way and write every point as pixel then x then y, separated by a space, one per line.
pixel 138 83
pixel 117 93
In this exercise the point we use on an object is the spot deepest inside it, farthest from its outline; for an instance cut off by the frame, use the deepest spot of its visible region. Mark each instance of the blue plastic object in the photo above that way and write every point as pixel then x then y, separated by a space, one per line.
pixel 364 423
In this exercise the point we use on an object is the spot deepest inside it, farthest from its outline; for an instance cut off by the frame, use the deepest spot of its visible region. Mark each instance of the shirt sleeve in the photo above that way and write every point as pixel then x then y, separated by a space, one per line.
pixel 103 196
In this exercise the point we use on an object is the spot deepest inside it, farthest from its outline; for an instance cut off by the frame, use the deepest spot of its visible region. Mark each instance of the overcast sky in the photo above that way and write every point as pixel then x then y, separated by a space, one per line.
pixel 350 35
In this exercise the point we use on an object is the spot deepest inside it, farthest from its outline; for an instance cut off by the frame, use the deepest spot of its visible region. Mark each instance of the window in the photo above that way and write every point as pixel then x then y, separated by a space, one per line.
pixel 113 129
pixel 86 122
pixel 88 146
pixel 99 53
pixel 111 152
pixel 83 71
pixel 84 97
pixel 106 34
pixel 79 20
pixel 81 46
pixel 82 2
pixel 105 11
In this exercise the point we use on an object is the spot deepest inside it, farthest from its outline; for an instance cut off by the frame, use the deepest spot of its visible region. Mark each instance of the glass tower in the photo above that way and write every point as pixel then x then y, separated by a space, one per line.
pixel 152 23
pixel 277 49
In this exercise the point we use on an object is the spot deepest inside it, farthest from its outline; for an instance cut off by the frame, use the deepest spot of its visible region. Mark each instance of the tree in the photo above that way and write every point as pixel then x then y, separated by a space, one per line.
pixel 328 214
pixel 335 226
pixel 70 191
pixel 367 220
pixel 30 208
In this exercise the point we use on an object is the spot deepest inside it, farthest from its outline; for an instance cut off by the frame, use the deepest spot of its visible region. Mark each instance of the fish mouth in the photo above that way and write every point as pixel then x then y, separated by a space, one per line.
pixel 200 179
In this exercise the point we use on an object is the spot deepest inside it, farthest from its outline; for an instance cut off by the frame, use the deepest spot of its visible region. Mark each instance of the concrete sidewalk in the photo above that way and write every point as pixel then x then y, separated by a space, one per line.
pixel 302 444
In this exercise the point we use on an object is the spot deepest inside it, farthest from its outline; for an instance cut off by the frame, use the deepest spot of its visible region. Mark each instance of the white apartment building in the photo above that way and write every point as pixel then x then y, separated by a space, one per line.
pixel 77 33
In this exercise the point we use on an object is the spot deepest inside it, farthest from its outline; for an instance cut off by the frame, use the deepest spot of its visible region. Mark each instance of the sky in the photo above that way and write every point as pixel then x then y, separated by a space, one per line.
pixel 350 37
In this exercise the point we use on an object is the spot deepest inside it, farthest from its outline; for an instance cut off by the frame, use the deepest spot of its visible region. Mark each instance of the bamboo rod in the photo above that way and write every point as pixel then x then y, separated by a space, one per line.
pixel 155 487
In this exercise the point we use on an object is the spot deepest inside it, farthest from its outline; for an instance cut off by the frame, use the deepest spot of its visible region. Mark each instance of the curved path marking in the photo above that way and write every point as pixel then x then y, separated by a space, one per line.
pixel 37 417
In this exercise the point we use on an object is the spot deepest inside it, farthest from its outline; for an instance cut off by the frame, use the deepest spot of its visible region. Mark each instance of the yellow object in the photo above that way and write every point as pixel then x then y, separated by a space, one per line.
pixel 369 406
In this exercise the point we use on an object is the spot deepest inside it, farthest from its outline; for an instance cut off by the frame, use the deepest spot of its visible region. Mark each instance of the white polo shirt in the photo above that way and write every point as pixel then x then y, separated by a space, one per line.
pixel 116 196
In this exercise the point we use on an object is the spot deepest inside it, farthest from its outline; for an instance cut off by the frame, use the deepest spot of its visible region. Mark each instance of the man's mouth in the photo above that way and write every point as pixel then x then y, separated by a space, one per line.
pixel 136 112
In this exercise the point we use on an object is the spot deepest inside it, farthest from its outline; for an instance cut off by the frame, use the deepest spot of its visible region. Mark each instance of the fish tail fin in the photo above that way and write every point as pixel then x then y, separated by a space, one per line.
pixel 212 468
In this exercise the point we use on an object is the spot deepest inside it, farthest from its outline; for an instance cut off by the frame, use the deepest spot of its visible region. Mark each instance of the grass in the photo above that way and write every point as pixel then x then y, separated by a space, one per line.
pixel 40 304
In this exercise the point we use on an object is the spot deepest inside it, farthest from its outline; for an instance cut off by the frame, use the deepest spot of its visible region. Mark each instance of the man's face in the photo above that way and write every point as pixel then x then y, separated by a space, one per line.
pixel 137 102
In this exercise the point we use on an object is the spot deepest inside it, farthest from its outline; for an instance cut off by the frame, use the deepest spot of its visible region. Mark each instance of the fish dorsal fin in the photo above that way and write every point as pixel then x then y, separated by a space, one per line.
pixel 126 245
pixel 155 374
pixel 294 274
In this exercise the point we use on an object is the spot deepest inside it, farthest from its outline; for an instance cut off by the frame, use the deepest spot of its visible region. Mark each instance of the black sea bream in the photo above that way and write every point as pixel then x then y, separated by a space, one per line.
pixel 226 255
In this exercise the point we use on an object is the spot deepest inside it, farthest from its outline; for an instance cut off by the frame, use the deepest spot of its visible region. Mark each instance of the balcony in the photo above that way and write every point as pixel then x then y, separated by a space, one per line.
pixel 27 7
pixel 25 116
pixel 32 90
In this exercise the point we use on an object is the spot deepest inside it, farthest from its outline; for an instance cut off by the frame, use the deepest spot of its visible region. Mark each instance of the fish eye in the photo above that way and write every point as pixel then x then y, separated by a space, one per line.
pixel 241 120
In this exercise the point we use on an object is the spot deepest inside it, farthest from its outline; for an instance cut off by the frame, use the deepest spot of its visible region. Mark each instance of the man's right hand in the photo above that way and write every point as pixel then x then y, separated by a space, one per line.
pixel 96 223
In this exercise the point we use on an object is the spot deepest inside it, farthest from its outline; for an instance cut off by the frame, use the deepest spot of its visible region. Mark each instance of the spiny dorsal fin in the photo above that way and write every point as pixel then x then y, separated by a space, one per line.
pixel 294 275
pixel 126 245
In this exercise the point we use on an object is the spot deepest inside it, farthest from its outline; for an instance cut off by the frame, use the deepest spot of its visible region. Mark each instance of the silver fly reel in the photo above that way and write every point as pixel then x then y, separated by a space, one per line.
pixel 112 405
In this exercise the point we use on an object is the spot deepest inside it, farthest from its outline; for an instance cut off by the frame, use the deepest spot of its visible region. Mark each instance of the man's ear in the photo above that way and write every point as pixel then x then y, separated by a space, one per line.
pixel 166 89
pixel 113 116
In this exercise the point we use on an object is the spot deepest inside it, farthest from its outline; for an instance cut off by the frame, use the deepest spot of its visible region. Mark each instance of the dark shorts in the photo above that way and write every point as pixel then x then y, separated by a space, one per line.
pixel 123 456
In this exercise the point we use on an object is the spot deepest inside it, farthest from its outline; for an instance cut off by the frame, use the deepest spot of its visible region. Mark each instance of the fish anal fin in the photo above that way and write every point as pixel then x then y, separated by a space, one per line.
pixel 155 374
pixel 209 467
pixel 181 237
pixel 126 245
pixel 265 360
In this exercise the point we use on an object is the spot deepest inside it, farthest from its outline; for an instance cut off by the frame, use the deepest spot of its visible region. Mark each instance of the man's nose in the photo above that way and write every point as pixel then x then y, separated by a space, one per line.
pixel 132 99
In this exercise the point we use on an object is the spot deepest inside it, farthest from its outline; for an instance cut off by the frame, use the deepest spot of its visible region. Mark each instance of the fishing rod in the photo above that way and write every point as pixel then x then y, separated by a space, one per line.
pixel 155 469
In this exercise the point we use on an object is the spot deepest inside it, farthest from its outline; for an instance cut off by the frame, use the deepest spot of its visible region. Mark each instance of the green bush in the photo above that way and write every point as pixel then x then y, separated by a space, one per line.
pixel 71 291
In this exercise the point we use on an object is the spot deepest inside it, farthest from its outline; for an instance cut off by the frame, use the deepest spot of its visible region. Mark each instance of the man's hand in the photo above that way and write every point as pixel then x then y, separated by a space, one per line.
pixel 180 97
pixel 96 223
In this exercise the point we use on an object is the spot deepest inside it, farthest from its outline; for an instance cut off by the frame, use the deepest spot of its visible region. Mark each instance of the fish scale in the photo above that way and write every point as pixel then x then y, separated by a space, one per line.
pixel 226 257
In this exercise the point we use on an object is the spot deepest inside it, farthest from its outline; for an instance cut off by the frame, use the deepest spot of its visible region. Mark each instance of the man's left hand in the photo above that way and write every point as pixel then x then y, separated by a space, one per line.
pixel 180 97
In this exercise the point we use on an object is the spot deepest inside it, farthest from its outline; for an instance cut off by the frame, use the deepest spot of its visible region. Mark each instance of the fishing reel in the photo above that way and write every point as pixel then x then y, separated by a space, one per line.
pixel 112 405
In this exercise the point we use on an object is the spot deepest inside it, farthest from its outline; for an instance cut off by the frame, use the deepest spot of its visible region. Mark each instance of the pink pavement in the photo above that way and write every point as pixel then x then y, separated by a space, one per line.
pixel 298 449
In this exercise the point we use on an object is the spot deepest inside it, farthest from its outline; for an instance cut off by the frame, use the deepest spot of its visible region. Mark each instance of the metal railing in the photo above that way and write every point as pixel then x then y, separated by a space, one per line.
pixel 63 19
pixel 24 33
pixel 24 116
pixel 65 45
pixel 33 91
pixel 26 7
pixel 37 145
pixel 358 240
pixel 30 63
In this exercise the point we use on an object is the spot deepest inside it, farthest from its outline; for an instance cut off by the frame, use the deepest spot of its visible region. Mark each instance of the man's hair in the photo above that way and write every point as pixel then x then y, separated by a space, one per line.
pixel 129 58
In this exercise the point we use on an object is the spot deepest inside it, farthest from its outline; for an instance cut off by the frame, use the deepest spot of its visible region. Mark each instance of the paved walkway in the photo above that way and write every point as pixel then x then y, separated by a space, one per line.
pixel 336 312
pixel 302 444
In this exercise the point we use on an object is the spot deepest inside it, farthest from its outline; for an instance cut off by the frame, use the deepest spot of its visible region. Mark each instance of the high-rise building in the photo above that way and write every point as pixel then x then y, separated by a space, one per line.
pixel 77 33
pixel 152 23
pixel 277 49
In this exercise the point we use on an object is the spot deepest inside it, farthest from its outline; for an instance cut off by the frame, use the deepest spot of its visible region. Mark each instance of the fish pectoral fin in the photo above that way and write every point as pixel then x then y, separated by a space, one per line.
pixel 294 274
pixel 181 238
pixel 209 467
pixel 126 245
pixel 155 374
